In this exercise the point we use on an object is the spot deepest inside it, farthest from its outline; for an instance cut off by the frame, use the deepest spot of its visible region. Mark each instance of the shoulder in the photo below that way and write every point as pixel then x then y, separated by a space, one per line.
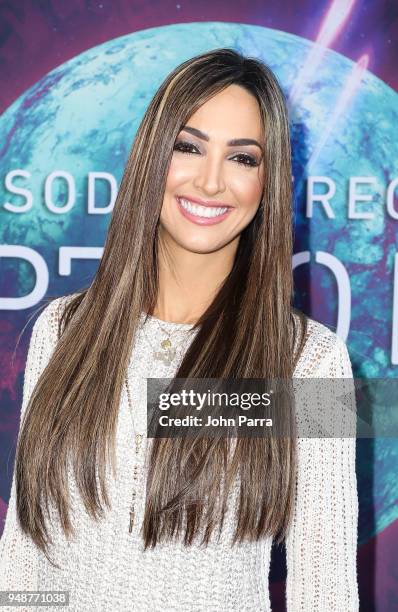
pixel 324 353
pixel 46 324
pixel 43 340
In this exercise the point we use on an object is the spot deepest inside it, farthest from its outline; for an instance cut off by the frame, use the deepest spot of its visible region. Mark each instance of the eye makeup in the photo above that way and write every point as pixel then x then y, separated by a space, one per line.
pixel 244 159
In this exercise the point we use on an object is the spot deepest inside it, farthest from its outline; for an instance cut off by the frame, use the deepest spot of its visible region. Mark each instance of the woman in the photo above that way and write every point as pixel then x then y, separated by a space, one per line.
pixel 195 281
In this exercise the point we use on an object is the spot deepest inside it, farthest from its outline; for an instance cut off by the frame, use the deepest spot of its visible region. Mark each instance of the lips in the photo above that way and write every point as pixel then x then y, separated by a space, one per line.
pixel 210 203
pixel 202 220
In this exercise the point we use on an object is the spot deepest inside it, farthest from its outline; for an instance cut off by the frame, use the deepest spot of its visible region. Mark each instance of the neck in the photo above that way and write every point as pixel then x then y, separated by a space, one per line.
pixel 189 281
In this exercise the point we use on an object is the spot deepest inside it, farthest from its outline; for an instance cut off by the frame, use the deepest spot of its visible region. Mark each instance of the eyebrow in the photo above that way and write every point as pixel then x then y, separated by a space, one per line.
pixel 236 142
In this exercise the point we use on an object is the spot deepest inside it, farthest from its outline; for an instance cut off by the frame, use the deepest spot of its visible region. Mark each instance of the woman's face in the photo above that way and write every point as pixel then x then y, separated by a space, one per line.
pixel 214 186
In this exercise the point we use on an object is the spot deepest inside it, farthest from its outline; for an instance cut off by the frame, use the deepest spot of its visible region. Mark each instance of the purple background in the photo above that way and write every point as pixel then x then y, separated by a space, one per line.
pixel 38 36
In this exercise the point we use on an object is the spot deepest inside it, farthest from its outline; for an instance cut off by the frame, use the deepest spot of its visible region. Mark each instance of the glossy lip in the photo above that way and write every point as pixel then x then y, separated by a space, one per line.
pixel 212 203
pixel 202 220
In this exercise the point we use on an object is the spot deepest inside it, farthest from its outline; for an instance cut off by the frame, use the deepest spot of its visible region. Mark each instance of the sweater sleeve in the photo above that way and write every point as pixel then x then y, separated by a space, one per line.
pixel 18 553
pixel 321 545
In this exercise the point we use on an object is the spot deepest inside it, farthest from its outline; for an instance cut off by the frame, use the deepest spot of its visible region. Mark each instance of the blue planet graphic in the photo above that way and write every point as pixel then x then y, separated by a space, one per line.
pixel 82 117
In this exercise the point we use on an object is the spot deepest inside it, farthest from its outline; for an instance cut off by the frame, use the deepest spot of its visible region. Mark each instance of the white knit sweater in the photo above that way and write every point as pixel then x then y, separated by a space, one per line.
pixel 105 567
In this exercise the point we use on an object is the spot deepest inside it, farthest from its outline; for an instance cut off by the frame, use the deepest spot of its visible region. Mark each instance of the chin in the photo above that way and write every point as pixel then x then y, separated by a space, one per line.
pixel 200 246
pixel 193 241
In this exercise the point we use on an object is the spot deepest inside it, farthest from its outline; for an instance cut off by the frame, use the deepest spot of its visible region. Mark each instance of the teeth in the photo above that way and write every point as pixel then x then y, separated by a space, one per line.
pixel 202 211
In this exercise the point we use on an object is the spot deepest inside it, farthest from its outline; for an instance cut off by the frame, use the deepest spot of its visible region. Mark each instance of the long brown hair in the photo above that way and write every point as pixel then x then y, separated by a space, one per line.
pixel 248 331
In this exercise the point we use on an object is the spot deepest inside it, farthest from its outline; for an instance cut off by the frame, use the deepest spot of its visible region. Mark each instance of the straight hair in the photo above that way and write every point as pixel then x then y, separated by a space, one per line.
pixel 250 330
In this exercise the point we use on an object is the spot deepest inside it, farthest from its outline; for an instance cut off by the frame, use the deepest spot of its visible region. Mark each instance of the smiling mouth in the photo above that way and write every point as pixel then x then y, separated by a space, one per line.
pixel 208 212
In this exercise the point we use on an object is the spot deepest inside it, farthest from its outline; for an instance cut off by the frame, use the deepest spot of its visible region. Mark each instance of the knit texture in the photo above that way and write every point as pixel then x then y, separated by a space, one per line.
pixel 105 567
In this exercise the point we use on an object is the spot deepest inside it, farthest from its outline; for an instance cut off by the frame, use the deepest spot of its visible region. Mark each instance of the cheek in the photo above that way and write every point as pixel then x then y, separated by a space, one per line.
pixel 248 190
pixel 178 173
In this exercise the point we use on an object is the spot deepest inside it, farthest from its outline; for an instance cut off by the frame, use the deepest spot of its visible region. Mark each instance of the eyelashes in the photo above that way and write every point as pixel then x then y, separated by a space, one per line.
pixel 244 158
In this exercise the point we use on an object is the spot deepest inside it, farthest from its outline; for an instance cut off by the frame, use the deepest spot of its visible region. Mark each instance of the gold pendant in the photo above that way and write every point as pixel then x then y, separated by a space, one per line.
pixel 167 355
pixel 138 441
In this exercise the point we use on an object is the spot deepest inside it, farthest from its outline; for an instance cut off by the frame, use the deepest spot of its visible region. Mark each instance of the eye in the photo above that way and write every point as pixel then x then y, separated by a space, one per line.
pixel 243 158
pixel 247 160
pixel 185 147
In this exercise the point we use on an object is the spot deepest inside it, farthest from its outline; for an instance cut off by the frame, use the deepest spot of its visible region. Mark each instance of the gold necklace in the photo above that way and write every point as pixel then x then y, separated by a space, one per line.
pixel 138 441
pixel 167 356
pixel 168 350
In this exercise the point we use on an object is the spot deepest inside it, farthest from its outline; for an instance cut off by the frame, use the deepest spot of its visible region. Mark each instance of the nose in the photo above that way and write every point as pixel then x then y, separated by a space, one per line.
pixel 210 175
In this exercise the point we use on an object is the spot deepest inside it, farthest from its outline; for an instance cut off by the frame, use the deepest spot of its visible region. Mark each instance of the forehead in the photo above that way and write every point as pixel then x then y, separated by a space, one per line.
pixel 233 111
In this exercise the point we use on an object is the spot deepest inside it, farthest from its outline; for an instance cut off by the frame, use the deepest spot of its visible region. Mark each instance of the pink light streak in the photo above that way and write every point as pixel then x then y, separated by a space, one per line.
pixel 334 21
pixel 331 26
pixel 351 87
